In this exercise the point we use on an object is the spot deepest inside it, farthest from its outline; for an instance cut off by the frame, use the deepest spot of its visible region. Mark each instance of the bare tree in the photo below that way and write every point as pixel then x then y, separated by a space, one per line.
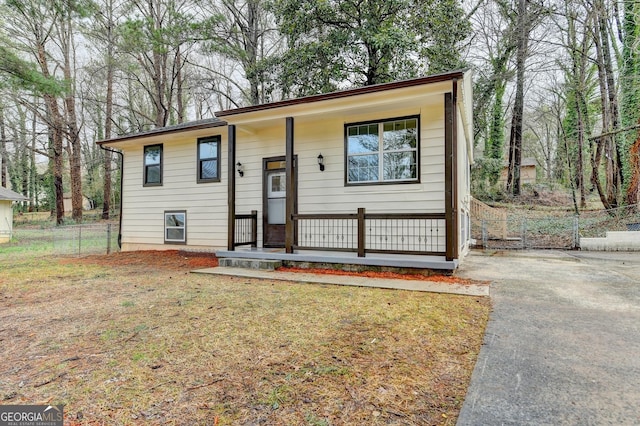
pixel 527 16
pixel 33 27
pixel 158 36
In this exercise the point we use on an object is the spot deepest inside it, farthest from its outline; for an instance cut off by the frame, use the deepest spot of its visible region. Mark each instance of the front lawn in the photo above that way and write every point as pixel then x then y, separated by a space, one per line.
pixel 136 339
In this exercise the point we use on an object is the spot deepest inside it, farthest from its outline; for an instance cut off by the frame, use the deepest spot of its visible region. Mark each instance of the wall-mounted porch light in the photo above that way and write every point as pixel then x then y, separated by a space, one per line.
pixel 321 162
pixel 240 169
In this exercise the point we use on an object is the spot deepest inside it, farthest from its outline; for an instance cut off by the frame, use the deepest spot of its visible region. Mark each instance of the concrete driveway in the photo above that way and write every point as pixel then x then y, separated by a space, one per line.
pixel 562 346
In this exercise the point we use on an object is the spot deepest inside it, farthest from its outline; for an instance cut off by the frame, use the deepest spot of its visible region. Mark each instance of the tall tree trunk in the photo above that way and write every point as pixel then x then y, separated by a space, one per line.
pixel 606 144
pixel 33 172
pixel 55 125
pixel 108 121
pixel 179 88
pixel 630 96
pixel 73 132
pixel 612 149
pixel 251 46
pixel 580 161
pixel 579 56
pixel 633 190
pixel 4 158
pixel 515 139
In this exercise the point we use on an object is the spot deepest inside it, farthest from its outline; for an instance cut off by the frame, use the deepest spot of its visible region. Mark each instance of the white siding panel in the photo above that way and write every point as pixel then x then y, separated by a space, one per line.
pixel 205 203
pixel 326 191
pixel 318 192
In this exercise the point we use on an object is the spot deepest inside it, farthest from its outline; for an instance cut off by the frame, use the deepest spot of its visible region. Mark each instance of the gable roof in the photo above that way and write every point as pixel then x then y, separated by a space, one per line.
pixel 191 125
pixel 7 194
pixel 307 100
pixel 435 78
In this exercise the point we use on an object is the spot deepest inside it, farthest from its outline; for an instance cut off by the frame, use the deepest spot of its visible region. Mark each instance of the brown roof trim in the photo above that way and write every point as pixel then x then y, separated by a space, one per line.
pixel 193 125
pixel 436 78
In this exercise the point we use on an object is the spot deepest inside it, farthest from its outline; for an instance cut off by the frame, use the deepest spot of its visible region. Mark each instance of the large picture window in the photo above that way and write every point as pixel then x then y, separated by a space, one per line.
pixel 152 165
pixel 382 152
pixel 175 227
pixel 209 159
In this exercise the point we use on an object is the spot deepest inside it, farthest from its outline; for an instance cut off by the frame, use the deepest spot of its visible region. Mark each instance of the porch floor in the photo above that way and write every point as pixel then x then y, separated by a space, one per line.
pixel 372 259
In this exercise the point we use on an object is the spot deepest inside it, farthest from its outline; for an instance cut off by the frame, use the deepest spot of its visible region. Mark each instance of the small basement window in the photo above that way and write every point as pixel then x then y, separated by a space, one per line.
pixel 152 165
pixel 209 159
pixel 175 227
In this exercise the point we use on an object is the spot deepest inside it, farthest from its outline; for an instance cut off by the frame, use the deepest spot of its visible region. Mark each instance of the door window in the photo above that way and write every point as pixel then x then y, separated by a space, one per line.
pixel 276 198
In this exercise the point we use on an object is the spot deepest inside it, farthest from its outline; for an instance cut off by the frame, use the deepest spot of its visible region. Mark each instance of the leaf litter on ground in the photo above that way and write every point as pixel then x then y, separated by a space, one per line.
pixel 134 338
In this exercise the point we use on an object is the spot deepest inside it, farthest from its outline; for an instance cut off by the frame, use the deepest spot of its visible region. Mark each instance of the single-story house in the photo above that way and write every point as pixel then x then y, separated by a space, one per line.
pixel 7 197
pixel 377 175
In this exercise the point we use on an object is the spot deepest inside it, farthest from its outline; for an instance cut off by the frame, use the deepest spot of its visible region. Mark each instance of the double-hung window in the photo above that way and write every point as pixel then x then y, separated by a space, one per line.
pixel 382 152
pixel 152 165
pixel 175 227
pixel 209 159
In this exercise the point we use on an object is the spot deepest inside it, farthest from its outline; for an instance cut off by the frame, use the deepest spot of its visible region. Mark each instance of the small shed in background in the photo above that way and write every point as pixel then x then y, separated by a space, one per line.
pixel 68 204
pixel 7 197
pixel 527 171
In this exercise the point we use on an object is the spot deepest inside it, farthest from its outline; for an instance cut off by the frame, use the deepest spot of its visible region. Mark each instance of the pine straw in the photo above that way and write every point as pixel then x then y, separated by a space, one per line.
pixel 432 277
pixel 125 340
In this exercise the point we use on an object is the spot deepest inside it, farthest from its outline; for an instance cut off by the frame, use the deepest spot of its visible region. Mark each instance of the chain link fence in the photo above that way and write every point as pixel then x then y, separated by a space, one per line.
pixel 534 231
pixel 71 240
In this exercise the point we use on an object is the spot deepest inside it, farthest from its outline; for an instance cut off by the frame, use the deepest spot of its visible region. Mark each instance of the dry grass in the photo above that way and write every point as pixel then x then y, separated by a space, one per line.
pixel 126 340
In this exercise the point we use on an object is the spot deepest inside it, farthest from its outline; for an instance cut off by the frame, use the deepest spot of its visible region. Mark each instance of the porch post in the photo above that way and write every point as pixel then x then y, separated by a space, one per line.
pixel 231 189
pixel 290 184
pixel 450 170
pixel 362 237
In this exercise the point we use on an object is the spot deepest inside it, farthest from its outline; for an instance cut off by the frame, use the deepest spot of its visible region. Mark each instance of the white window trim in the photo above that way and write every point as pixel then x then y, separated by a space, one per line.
pixel 380 153
pixel 184 227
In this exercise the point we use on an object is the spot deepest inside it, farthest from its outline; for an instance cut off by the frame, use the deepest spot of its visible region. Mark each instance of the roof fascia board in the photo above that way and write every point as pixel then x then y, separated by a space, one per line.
pixel 345 93
pixel 410 97
pixel 163 131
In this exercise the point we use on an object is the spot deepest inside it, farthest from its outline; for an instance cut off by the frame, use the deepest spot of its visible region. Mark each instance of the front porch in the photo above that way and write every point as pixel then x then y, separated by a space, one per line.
pixel 365 208
pixel 390 260
pixel 362 239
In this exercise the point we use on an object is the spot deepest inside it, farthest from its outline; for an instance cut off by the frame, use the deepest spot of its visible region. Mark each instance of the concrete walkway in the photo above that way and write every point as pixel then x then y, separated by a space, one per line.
pixel 416 285
pixel 562 346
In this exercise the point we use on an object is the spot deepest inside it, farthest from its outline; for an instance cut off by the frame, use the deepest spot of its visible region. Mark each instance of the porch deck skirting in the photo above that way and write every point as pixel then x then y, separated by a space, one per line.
pixel 349 258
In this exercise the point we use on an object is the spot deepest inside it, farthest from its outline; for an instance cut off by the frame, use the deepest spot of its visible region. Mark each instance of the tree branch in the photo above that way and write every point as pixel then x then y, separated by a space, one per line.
pixel 613 132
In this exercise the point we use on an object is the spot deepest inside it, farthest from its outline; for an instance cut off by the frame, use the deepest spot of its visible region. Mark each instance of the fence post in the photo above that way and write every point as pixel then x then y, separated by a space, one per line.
pixel 79 240
pixel 484 234
pixel 524 233
pixel 108 238
pixel 361 232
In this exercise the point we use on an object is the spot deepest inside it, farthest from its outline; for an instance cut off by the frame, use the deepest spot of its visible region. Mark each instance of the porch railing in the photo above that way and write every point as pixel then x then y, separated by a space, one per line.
pixel 410 233
pixel 246 229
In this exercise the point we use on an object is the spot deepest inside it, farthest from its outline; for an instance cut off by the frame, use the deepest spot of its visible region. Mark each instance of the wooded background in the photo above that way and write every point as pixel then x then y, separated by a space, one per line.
pixel 556 81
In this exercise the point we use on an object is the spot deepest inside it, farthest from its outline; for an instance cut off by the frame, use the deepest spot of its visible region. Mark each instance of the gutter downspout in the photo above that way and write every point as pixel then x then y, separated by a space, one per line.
pixel 121 182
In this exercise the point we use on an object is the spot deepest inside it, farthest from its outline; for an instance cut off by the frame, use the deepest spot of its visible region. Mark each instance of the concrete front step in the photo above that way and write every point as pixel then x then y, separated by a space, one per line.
pixel 262 264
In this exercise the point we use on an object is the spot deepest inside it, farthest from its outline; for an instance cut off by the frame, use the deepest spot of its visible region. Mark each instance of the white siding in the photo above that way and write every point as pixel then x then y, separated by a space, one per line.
pixel 6 220
pixel 325 192
pixel 318 192
pixel 464 190
pixel 205 203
